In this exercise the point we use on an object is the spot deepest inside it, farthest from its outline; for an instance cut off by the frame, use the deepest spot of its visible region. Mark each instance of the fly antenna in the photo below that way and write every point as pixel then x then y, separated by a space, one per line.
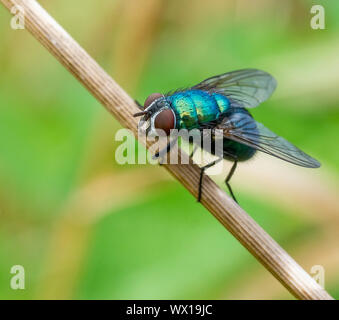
pixel 139 114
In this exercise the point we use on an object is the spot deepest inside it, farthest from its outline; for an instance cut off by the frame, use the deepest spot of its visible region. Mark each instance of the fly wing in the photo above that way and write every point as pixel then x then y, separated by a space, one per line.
pixel 242 128
pixel 246 88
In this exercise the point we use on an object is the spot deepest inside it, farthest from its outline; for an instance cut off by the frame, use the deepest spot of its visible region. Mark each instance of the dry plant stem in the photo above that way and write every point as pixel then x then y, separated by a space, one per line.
pixel 44 28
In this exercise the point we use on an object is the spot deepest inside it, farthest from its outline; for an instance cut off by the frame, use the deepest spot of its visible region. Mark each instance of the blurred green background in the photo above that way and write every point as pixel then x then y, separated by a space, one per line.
pixel 85 227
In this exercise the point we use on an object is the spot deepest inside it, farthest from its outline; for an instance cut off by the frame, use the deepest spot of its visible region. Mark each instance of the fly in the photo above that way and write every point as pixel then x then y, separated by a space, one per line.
pixel 221 102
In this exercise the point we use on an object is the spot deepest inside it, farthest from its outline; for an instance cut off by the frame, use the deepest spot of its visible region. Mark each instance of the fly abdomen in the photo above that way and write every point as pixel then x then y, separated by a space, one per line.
pixel 234 150
pixel 237 151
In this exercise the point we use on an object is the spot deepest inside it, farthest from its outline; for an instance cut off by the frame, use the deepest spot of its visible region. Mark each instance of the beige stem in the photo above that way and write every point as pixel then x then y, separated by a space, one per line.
pixel 46 30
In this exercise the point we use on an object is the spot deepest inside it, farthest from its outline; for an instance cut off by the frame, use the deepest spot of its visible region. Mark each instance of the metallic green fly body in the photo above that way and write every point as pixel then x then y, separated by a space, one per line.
pixel 221 102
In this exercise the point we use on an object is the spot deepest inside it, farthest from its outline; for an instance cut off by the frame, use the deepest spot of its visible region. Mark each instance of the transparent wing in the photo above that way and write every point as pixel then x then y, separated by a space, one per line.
pixel 246 88
pixel 243 128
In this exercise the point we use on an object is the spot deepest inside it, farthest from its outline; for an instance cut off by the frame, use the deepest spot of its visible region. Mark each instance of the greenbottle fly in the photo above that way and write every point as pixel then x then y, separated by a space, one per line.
pixel 222 102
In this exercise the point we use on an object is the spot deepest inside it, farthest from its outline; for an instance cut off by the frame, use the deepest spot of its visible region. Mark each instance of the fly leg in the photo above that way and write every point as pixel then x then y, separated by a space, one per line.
pixel 161 153
pixel 139 105
pixel 193 151
pixel 202 171
pixel 228 178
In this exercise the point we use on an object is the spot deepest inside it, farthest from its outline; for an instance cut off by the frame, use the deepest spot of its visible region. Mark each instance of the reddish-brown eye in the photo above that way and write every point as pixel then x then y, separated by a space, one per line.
pixel 165 120
pixel 151 98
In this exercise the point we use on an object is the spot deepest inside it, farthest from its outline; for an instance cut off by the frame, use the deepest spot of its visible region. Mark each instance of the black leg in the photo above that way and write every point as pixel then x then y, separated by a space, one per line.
pixel 165 150
pixel 193 151
pixel 139 105
pixel 202 174
pixel 229 176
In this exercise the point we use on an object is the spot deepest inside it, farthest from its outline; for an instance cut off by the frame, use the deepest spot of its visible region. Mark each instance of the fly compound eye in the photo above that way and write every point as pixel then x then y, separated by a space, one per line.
pixel 151 99
pixel 147 112
pixel 165 120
